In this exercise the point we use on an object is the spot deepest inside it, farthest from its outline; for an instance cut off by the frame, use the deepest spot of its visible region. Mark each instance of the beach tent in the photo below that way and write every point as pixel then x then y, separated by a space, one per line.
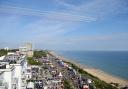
pixel 30 85
pixel 45 87
pixel 89 81
pixel 60 74
pixel 85 87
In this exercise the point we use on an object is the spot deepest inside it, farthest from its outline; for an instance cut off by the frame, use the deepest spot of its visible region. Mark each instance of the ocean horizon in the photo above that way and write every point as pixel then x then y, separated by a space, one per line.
pixel 111 62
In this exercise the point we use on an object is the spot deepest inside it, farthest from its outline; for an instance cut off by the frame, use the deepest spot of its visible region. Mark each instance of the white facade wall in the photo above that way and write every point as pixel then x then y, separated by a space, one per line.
pixel 14 72
pixel 20 70
pixel 18 74
pixel 7 77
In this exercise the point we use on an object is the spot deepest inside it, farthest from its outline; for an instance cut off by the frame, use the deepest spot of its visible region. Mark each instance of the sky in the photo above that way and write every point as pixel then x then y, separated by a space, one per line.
pixel 65 24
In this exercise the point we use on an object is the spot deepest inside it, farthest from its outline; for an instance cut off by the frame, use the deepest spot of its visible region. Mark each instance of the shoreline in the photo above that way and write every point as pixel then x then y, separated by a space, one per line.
pixel 108 78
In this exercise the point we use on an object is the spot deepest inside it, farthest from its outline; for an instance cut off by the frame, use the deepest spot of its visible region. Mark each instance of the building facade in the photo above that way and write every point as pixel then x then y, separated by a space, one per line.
pixel 27 49
pixel 12 72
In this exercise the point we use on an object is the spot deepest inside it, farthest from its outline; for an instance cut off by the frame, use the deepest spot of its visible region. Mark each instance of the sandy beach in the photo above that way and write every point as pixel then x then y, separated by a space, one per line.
pixel 95 72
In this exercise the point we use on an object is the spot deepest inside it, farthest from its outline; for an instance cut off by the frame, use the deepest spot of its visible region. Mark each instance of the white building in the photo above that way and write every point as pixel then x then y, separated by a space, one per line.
pixel 2 57
pixel 19 72
pixel 6 76
pixel 12 72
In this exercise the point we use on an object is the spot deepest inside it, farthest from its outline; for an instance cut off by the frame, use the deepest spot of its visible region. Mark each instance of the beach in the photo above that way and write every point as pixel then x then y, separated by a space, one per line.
pixel 95 72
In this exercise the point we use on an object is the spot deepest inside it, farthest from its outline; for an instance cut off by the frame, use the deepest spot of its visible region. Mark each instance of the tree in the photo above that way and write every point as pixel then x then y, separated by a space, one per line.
pixel 39 54
pixel 3 52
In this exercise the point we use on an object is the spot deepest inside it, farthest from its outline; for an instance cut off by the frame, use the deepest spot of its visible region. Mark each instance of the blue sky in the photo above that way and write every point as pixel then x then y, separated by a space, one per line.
pixel 65 24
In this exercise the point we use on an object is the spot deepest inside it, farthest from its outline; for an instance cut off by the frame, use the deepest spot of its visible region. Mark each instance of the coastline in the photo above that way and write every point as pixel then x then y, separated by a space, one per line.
pixel 95 72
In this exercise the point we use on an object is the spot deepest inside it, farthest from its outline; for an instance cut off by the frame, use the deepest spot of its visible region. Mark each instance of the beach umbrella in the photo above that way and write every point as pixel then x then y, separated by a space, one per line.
pixel 60 74
pixel 85 87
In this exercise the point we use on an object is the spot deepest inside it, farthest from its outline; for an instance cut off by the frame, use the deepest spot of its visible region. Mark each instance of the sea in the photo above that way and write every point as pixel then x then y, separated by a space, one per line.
pixel 111 62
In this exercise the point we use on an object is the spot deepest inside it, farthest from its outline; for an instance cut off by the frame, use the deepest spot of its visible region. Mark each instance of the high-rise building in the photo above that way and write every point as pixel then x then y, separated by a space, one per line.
pixel 27 49
pixel 29 46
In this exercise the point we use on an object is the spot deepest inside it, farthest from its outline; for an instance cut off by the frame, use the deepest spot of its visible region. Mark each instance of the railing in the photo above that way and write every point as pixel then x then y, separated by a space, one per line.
pixel 2 86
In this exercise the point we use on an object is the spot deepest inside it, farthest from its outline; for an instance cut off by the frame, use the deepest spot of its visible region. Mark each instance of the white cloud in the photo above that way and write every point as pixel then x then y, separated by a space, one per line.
pixel 50 29
pixel 52 15
pixel 96 8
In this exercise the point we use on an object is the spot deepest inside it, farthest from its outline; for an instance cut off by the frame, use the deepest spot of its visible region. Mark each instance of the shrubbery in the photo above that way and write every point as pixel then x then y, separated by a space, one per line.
pixel 39 54
pixel 31 61
pixel 3 52
pixel 67 85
